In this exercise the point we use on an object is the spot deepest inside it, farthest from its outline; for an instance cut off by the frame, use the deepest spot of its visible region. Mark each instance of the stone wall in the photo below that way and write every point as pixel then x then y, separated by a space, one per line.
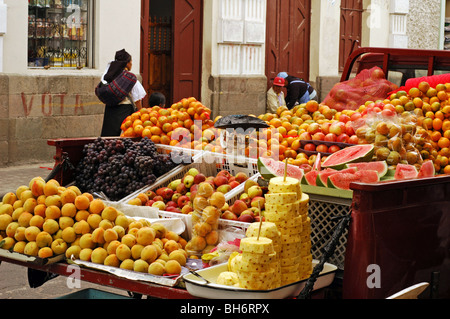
pixel 34 109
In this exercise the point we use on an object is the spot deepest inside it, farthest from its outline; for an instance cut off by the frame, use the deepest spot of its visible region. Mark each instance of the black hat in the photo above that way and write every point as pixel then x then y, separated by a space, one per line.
pixel 122 56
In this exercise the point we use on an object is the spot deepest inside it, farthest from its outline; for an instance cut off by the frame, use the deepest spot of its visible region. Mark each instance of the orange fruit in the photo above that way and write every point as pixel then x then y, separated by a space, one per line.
pixel 155 130
pixel 156 139
pixel 414 92
pixel 446 134
pixel 447 169
pixel 418 102
pixel 423 86
pixel 443 142
pixel 312 106
pixel 439 115
pixel 437 124
pixel 436 136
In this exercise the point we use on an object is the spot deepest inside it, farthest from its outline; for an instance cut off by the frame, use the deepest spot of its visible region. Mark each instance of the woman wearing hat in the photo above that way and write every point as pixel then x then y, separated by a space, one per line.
pixel 115 114
pixel 298 91
pixel 275 96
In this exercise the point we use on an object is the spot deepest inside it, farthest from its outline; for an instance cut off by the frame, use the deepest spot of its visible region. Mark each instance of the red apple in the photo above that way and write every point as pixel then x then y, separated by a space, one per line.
pixel 325 127
pixel 241 177
pixel 238 207
pixel 305 136
pixel 333 149
pixel 181 189
pixel 233 184
pixel 158 198
pixel 186 209
pixel 173 209
pixel 330 137
pixel 337 128
pixel 246 218
pixel 224 173
pixel 225 188
pixel 229 215
pixel 149 202
pixel 258 202
pixel 199 178
pixel 343 138
pixel 183 200
pixel 171 203
pixel 319 136
pixel 245 198
pixel 220 180
pixel 353 139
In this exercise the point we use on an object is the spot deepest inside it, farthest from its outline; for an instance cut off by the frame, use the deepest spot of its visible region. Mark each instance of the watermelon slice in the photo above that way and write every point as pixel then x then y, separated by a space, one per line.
pixel 405 171
pixel 343 180
pixel 322 177
pixel 351 154
pixel 269 168
pixel 426 170
pixel 380 166
pixel 310 178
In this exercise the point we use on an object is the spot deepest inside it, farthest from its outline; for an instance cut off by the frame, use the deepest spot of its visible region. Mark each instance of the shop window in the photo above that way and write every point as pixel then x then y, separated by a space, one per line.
pixel 59 33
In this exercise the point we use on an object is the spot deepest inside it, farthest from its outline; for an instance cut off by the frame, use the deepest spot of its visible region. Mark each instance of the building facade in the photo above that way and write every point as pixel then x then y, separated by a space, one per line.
pixel 223 52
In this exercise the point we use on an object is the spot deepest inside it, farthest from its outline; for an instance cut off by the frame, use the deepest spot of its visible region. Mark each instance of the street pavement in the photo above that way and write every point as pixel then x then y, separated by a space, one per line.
pixel 14 278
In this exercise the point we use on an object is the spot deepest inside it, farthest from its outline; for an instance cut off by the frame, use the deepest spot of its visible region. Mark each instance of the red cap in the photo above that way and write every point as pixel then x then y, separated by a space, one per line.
pixel 278 81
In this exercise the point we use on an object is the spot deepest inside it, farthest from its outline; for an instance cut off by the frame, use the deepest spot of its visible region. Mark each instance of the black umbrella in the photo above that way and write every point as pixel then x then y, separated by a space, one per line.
pixel 240 121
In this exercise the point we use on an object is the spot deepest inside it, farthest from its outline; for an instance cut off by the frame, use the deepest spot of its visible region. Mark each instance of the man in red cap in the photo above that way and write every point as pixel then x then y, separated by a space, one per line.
pixel 275 96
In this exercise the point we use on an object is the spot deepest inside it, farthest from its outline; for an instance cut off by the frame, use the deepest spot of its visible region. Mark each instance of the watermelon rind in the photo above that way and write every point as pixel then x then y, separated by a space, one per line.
pixel 311 177
pixel 266 167
pixel 380 166
pixel 351 154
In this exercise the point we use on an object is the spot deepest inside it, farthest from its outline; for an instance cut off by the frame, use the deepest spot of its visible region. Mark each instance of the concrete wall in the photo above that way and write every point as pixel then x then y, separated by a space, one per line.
pixel 34 109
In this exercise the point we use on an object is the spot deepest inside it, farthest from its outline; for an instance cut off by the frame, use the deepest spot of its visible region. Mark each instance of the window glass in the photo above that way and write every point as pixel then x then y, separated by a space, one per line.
pixel 58 33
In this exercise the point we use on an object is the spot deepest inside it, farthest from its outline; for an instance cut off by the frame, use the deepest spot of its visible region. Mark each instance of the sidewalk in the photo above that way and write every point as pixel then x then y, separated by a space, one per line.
pixel 14 176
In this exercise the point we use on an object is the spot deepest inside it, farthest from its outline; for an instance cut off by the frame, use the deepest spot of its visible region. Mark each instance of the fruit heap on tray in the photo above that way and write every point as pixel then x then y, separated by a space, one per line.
pixel 44 219
pixel 275 252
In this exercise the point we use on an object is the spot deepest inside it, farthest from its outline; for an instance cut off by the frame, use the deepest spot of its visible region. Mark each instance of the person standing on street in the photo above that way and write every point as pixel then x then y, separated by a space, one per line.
pixel 275 96
pixel 115 114
pixel 298 91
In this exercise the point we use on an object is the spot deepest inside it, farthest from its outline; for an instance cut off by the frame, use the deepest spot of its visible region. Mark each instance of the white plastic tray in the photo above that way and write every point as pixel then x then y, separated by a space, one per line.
pixel 199 288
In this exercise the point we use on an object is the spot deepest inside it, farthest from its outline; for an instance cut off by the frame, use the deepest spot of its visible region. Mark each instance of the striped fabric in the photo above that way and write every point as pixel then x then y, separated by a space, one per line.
pixel 114 92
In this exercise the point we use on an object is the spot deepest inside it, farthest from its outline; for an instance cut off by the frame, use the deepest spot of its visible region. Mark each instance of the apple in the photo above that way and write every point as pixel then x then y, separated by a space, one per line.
pixel 165 192
pixel 186 209
pixel 194 187
pixel 229 215
pixel 225 207
pixel 246 218
pixel 220 180
pixel 224 188
pixel 313 128
pixel 337 128
pixel 173 209
pixel 241 177
pixel 149 202
pixel 349 130
pixel 181 189
pixel 343 138
pixel 245 198
pixel 150 194
pixel 175 197
pixel 183 200
pixel 305 136
pixel 158 198
pixel 344 118
pixel 353 139
pixel 330 137
pixel 319 136
pixel 199 178
pixel 188 181
pixel 254 191
pixel 256 211
pixel 249 183
pixel 233 184
pixel 325 127
pixel 224 173
pixel 193 171
pixel 160 205
pixel 258 201
pixel 238 207
pixel 173 184
pixel 333 149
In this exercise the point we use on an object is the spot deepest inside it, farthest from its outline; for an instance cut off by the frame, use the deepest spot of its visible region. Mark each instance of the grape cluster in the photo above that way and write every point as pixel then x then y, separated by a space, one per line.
pixel 118 167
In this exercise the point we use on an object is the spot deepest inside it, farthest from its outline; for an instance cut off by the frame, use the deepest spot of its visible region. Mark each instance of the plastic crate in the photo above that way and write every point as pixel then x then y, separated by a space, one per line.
pixel 91 293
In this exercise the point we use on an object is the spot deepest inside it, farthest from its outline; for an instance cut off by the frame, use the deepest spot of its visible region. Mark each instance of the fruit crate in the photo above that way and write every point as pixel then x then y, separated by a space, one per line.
pixel 210 164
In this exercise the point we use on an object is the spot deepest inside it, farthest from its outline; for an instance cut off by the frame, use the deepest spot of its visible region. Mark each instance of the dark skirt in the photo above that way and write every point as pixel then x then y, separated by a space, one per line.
pixel 113 118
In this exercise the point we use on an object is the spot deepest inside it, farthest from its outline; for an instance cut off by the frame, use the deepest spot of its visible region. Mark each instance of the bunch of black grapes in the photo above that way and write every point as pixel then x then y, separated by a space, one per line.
pixel 118 167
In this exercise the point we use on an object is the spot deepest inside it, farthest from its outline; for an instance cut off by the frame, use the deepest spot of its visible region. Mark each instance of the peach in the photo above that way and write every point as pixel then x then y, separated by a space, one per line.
pixel 99 255
pixel 179 256
pixel 31 232
pixel 68 235
pixel 68 210
pixel 160 230
pixel 129 240
pixel 97 236
pixel 24 219
pixel 8 243
pixel 6 209
pixel 85 254
pixel 75 189
pixel 94 220
pixel 19 235
pixel 123 252
pixel 109 213
pixel 96 206
pixel 37 221
pixel 51 187
pixel 197 243
pixel 145 235
pixel 205 189
pixel 112 246
pixel 11 229
pixel 86 241
pixel 82 227
pixel 112 261
pixel 203 228
pixel 127 264
pixel 5 220
pixel 106 224
pixel 119 230
pixel 136 251
pixel 53 200
pixel 212 238
pixel 65 222
pixel 82 215
pixel 211 215
pixel 45 252
pixel 173 267
pixel 59 246
pixel 135 224
pixel 140 266
pixel 200 203
pixel 68 196
pixel 9 198
pixel 89 196
pixel 41 200
pixel 16 213
pixel 25 195
pixel 156 268
pixel 73 251
pixel 29 205
pixel 122 220
pixel 170 246
pixel 31 249
pixel 37 187
pixel 20 189
pixel 52 212
pixel 82 202
pixel 149 253
pixel 19 247
pixel 110 234
pixel 44 239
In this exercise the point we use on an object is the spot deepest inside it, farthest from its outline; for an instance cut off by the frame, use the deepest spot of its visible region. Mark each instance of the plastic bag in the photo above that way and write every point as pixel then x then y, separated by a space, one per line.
pixel 368 85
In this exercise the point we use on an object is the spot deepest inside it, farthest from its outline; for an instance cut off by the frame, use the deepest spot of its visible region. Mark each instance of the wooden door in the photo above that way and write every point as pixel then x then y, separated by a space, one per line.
pixel 350 29
pixel 187 48
pixel 287 38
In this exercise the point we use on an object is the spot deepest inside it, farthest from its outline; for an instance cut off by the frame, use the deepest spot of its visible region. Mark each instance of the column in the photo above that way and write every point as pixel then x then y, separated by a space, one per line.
pixel 399 10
